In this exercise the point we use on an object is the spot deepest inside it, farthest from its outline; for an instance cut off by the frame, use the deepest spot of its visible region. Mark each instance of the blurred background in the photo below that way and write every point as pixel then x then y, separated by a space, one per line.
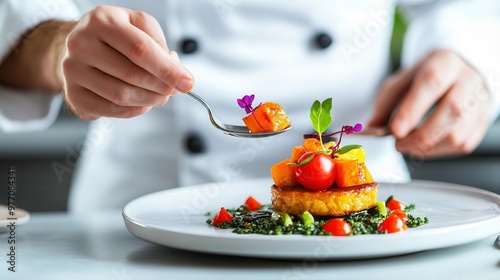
pixel 44 160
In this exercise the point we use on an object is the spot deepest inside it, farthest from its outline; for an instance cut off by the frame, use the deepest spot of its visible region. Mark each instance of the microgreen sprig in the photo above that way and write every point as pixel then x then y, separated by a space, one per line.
pixel 308 159
pixel 321 119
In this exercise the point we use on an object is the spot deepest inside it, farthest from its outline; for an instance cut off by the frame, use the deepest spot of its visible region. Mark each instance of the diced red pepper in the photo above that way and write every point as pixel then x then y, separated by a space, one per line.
pixel 337 227
pixel 396 204
pixel 222 217
pixel 401 214
pixel 392 223
pixel 252 203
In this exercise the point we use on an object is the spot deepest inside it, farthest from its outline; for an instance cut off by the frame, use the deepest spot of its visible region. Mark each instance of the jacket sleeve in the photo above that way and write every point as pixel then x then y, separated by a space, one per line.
pixel 469 28
pixel 21 110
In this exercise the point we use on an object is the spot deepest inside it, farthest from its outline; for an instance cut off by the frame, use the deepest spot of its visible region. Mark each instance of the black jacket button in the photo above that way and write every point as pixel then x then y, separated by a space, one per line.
pixel 323 40
pixel 194 143
pixel 188 46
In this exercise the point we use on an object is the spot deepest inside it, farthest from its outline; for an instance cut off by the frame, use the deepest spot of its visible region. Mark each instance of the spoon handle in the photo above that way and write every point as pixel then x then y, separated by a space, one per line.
pixel 378 131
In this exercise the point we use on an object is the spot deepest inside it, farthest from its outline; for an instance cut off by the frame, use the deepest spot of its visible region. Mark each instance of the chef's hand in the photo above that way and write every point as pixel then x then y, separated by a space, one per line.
pixel 117 64
pixel 457 123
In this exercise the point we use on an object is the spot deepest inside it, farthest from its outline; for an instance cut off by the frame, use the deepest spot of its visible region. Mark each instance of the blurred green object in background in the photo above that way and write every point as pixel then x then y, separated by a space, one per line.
pixel 398 33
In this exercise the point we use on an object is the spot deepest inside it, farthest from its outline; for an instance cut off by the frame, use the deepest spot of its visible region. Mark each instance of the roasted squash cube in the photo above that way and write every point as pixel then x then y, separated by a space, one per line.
pixel 312 145
pixel 283 174
pixel 351 173
pixel 297 152
pixel 267 117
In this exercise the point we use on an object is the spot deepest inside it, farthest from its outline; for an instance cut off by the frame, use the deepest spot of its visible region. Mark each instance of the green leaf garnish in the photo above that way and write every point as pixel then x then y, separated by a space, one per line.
pixel 306 160
pixel 347 148
pixel 320 116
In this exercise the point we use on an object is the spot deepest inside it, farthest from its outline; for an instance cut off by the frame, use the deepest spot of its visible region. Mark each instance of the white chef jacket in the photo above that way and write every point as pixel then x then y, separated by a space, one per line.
pixel 263 47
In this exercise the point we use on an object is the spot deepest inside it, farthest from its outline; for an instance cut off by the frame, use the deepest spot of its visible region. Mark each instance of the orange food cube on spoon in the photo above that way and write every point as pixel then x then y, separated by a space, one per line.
pixel 266 117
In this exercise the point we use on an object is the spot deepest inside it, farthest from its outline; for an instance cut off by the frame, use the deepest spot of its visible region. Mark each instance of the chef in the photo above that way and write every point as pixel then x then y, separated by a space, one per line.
pixel 123 65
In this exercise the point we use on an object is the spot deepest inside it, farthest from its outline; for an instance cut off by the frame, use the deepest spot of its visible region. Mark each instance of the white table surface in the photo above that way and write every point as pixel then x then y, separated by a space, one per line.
pixel 97 246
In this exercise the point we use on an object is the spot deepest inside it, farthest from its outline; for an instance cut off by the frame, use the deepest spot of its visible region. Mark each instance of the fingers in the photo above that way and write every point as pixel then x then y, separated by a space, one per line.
pixel 90 106
pixel 445 118
pixel 457 93
pixel 433 79
pixel 116 65
pixel 144 51
pixel 150 26
pixel 117 91
pixel 390 94
pixel 456 126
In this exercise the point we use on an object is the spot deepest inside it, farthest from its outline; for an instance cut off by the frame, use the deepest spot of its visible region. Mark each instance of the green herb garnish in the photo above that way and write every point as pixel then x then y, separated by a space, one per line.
pixel 321 117
pixel 347 148
pixel 268 222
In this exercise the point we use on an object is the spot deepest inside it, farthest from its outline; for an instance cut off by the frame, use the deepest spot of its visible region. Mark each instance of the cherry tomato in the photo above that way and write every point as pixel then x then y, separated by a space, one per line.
pixel 337 227
pixel 396 204
pixel 392 224
pixel 317 174
pixel 401 214
pixel 252 203
pixel 222 217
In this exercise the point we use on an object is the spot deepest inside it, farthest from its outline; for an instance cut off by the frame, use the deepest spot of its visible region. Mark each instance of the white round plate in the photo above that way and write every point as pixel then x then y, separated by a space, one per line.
pixel 176 218
pixel 21 216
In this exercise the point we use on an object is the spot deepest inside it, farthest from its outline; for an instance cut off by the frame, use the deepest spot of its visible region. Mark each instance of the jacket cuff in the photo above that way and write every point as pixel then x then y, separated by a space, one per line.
pixel 27 111
pixel 21 110
pixel 17 17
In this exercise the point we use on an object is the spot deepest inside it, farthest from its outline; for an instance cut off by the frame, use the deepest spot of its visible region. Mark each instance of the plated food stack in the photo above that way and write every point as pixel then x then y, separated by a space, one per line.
pixel 323 179
pixel 321 189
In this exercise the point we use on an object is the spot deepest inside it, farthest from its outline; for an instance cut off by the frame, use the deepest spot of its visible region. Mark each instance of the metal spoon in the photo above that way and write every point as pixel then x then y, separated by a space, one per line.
pixel 233 130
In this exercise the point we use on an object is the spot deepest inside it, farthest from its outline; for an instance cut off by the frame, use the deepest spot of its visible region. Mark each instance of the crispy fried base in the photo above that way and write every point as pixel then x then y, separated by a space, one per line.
pixel 331 202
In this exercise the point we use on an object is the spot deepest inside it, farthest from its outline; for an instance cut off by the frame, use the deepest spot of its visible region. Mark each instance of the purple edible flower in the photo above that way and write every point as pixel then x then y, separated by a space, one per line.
pixel 349 129
pixel 246 103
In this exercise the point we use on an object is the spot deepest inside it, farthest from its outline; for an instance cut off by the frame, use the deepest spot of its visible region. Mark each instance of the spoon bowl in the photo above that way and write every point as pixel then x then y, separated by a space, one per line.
pixel 233 130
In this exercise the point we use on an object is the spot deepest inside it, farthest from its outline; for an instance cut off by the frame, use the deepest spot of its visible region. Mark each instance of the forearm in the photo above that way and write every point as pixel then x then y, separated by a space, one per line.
pixel 35 62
